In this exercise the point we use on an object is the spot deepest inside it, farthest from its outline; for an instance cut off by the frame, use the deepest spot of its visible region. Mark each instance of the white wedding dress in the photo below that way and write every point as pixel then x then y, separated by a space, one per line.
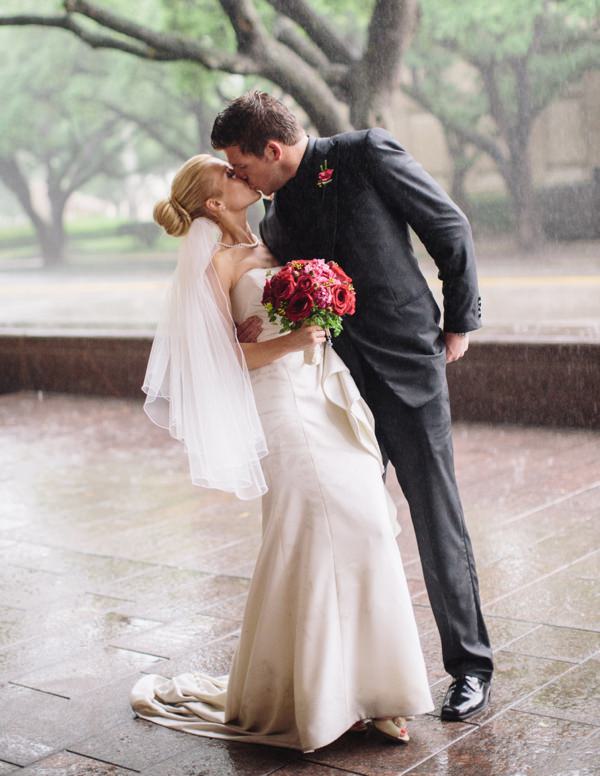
pixel 328 634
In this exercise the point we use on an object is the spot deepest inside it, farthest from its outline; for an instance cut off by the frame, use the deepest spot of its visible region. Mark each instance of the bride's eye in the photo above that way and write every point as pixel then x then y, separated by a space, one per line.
pixel 231 173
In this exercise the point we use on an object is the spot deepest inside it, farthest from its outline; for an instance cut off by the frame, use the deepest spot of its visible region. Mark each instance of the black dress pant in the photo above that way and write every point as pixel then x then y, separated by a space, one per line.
pixel 418 442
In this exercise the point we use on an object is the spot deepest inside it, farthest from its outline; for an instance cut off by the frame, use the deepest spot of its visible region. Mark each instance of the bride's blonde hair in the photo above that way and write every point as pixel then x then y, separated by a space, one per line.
pixel 193 184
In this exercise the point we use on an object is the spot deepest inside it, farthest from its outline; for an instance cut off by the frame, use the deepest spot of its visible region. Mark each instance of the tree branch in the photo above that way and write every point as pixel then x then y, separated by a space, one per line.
pixel 468 134
pixel 151 129
pixel 95 41
pixel 178 47
pixel 246 23
pixel 84 150
pixel 262 55
pixel 317 28
pixel 377 73
pixel 391 26
pixel 284 67
pixel 13 178
pixel 497 111
pixel 85 175
pixel 287 33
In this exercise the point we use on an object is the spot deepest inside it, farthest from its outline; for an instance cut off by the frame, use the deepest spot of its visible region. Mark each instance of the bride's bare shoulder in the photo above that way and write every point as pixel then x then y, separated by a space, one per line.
pixel 231 263
pixel 225 267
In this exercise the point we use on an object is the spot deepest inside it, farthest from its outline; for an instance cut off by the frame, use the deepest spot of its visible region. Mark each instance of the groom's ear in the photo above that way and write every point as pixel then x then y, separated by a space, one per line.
pixel 273 151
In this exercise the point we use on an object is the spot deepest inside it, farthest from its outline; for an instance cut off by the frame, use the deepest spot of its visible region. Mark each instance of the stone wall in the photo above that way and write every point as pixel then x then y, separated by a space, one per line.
pixel 500 382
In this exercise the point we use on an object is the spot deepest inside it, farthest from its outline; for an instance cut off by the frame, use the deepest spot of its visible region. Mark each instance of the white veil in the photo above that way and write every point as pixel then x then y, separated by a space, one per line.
pixel 197 381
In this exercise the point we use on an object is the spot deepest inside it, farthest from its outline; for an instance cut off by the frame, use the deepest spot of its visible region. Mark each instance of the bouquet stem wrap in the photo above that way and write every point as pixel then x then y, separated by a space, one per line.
pixel 314 354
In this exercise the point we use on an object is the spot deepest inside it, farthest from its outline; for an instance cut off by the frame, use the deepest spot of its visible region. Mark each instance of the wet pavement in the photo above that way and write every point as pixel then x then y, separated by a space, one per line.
pixel 549 295
pixel 113 564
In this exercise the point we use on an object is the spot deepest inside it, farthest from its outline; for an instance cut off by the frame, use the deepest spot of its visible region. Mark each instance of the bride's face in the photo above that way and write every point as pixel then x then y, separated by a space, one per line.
pixel 236 194
pixel 260 172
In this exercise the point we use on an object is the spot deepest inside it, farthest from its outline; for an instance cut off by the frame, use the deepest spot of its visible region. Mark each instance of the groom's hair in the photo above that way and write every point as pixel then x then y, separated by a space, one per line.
pixel 253 119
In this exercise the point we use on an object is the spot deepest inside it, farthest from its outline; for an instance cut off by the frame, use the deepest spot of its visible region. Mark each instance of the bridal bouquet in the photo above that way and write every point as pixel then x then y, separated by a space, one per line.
pixel 311 292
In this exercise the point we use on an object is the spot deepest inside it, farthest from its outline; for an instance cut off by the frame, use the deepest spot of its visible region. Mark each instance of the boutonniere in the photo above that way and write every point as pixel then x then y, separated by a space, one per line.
pixel 325 175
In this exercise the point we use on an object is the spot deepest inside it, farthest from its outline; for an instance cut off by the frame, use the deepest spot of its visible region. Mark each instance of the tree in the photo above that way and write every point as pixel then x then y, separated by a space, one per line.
pixel 49 129
pixel 288 42
pixel 517 56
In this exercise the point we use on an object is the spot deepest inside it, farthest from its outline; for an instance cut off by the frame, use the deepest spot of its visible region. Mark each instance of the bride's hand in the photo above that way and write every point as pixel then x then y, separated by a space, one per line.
pixel 305 337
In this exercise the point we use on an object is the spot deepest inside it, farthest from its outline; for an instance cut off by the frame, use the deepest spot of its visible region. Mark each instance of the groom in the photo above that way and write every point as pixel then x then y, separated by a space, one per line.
pixel 352 198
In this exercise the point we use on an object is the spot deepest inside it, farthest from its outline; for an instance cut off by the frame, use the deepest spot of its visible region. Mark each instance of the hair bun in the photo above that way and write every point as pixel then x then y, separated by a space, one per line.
pixel 172 216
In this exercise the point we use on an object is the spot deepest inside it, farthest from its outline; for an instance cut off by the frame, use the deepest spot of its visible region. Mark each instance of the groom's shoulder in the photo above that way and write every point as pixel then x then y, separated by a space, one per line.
pixel 360 139
pixel 355 138
pixel 351 137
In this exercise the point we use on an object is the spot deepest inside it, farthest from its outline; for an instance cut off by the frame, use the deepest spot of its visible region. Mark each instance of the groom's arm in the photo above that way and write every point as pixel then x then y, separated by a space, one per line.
pixel 441 226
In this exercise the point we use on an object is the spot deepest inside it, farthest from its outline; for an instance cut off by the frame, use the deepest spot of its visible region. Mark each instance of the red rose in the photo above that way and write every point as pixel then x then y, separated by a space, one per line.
pixel 267 292
pixel 299 306
pixel 283 286
pixel 304 283
pixel 339 272
pixel 339 299
pixel 351 306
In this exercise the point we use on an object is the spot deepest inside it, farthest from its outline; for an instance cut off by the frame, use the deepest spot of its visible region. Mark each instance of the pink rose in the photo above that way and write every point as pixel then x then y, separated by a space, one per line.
pixel 322 297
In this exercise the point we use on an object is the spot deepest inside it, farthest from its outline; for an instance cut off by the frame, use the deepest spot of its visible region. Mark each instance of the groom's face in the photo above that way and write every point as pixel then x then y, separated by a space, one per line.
pixel 260 172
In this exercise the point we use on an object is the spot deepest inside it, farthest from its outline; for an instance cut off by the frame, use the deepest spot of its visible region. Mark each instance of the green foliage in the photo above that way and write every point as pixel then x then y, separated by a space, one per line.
pixel 51 92
pixel 552 40
pixel 350 18
pixel 492 28
pixel 318 317
pixel 487 68
pixel 491 214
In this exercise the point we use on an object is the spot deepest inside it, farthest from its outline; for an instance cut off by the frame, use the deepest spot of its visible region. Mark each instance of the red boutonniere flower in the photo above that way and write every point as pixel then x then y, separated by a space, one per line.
pixel 325 175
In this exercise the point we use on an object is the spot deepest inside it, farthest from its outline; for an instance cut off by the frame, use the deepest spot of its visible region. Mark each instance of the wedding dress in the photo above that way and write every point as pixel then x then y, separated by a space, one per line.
pixel 328 634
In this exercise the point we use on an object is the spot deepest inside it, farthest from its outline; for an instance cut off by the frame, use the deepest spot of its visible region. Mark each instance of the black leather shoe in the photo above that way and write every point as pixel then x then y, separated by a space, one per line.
pixel 467 695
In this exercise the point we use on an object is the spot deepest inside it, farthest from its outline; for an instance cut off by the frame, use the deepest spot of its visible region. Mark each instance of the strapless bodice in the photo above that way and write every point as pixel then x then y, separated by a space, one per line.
pixel 332 374
pixel 246 300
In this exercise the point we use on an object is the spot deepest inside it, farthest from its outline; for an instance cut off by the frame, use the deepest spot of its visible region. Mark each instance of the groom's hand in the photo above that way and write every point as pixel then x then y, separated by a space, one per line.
pixel 456 346
pixel 248 330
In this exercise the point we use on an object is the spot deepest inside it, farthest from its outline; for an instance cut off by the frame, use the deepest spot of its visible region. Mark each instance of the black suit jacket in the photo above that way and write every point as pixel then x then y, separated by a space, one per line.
pixel 361 219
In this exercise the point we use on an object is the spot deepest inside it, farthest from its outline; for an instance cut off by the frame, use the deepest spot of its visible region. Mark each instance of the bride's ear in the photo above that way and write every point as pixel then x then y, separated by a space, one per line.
pixel 214 206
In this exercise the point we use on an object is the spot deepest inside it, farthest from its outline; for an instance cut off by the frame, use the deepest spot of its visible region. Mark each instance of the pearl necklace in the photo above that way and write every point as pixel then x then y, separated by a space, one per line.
pixel 241 244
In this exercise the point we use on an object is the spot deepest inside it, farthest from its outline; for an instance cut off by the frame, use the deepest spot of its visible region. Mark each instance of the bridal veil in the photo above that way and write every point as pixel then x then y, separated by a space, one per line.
pixel 197 381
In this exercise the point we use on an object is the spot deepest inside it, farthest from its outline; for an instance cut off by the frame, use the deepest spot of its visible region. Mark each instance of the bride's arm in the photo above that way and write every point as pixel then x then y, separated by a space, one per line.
pixel 259 354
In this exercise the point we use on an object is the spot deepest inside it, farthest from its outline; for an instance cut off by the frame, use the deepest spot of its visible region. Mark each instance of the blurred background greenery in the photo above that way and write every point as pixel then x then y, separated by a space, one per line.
pixel 101 102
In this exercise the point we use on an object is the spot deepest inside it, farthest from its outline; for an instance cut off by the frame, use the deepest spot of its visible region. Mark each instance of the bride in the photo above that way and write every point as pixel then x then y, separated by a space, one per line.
pixel 328 640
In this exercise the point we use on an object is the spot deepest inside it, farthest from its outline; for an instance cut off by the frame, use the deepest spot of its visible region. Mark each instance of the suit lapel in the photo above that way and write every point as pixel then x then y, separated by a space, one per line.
pixel 301 222
pixel 328 206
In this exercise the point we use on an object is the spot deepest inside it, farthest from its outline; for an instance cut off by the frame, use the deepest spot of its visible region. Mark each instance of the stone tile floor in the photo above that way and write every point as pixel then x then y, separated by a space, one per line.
pixel 113 564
